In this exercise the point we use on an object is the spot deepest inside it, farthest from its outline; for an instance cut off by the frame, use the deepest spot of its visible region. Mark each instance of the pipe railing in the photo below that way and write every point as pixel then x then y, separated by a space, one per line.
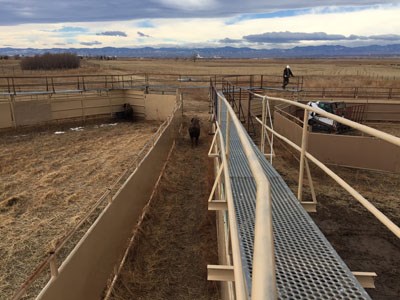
pixel 263 273
pixel 234 83
pixel 50 84
pixel 304 154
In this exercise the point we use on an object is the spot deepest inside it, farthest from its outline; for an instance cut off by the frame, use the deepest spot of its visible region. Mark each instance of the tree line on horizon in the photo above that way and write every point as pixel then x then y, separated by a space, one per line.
pixel 49 61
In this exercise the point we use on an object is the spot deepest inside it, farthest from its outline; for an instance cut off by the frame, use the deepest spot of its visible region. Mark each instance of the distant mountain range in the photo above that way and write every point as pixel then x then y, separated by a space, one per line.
pixel 223 52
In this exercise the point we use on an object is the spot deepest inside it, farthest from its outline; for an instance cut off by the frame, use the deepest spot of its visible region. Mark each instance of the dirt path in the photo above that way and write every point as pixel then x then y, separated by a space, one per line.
pixel 177 238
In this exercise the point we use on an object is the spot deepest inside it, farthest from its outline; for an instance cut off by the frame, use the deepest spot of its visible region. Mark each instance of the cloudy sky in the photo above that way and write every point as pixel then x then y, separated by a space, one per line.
pixel 197 23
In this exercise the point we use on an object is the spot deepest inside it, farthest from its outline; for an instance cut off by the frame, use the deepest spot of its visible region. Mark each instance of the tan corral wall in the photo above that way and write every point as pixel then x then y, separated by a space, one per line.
pixel 5 115
pixel 159 107
pixel 382 112
pixel 84 274
pixel 375 110
pixel 35 109
pixel 352 151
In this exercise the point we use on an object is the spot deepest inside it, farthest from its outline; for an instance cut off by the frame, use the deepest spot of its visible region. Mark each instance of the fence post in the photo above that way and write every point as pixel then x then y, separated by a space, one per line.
pixel 248 112
pixel 13 85
pixel 262 127
pixel 13 111
pixel 219 101
pixel 240 102
pixel 302 155
pixel 8 85
pixel 227 138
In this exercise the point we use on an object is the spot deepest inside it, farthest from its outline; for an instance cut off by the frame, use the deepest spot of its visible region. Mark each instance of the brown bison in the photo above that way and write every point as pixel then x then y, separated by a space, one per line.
pixel 194 131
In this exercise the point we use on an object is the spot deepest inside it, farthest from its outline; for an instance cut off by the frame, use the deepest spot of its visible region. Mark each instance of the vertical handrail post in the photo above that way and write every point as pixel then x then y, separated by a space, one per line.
pixel 302 155
pixel 262 146
pixel 13 85
pixel 227 138
pixel 219 101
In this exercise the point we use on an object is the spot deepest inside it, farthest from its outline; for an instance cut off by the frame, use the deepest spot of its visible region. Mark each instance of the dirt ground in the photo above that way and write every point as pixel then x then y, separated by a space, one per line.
pixel 49 179
pixel 362 241
pixel 177 238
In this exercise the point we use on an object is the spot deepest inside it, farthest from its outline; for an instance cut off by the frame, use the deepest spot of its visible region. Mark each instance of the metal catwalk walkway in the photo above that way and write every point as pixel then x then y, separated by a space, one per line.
pixel 307 266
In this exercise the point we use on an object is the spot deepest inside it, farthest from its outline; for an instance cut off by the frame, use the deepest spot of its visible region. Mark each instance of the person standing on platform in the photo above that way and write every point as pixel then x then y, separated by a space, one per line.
pixel 287 73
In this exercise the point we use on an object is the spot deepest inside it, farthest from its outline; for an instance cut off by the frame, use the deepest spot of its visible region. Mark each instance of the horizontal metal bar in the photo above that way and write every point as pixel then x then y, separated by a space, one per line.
pixel 309 206
pixel 220 273
pixel 217 205
pixel 366 279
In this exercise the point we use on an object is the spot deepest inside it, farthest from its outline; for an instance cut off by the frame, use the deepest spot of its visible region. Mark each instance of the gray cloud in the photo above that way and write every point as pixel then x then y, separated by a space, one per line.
pixel 113 33
pixel 385 37
pixel 293 37
pixel 50 11
pixel 91 43
pixel 230 41
pixel 141 34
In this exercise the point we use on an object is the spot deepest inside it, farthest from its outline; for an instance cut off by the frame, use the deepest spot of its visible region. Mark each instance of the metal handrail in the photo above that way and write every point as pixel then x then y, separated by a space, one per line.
pixel 263 275
pixel 366 129
pixel 304 154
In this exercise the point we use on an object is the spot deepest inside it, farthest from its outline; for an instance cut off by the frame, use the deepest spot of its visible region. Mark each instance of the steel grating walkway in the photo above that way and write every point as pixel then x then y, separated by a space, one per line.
pixel 307 266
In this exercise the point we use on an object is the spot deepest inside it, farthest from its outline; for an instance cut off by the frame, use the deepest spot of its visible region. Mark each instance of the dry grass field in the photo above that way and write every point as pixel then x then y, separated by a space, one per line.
pixel 48 181
pixel 362 70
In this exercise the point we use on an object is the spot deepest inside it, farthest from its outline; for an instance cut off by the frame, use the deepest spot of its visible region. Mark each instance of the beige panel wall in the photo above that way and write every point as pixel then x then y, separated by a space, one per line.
pixel 85 272
pixel 382 112
pixel 32 112
pixel 43 108
pixel 86 104
pixel 5 115
pixel 159 107
pixel 287 128
pixel 35 109
pixel 353 151
pixel 136 100
pixel 374 110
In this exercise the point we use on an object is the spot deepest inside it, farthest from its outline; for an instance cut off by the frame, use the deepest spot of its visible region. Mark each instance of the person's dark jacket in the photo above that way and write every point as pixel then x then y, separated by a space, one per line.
pixel 287 73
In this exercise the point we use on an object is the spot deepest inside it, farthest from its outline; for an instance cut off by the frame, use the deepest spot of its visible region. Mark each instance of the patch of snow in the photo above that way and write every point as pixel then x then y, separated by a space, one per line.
pixel 59 132
pixel 76 129
pixel 111 124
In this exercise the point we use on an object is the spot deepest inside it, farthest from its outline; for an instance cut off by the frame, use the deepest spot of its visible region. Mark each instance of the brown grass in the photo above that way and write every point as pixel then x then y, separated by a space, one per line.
pixel 338 70
pixel 48 182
